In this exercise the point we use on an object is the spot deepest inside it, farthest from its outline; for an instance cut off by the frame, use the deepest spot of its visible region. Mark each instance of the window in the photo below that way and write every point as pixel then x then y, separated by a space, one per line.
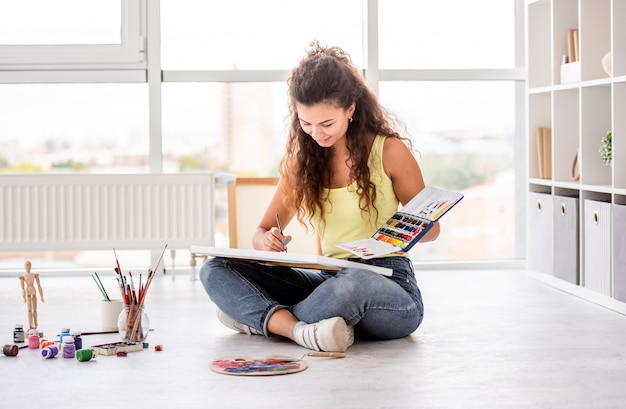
pixel 237 127
pixel 254 35
pixel 88 128
pixel 70 32
pixel 446 34
pixel 464 131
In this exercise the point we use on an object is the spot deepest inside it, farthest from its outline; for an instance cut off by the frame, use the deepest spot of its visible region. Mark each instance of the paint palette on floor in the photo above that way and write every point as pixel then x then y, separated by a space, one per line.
pixel 250 366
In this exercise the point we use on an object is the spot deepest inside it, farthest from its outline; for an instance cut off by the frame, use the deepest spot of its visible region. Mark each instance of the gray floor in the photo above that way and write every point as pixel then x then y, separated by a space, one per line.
pixel 490 339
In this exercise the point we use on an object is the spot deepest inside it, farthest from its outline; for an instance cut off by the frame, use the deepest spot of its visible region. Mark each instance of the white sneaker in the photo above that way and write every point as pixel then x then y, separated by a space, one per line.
pixel 330 335
pixel 236 326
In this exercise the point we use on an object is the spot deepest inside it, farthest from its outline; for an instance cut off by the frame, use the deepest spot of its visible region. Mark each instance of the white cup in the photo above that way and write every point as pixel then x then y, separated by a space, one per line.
pixel 109 312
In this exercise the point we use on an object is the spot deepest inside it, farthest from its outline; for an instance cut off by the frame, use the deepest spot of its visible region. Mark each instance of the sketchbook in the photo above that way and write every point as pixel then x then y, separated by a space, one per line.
pixel 405 228
pixel 295 260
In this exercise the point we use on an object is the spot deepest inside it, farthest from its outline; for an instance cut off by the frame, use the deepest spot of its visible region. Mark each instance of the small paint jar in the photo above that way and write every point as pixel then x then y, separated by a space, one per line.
pixel 45 343
pixel 10 350
pixel 33 339
pixel 68 347
pixel 78 341
pixel 84 355
pixel 65 332
pixel 18 333
pixel 50 351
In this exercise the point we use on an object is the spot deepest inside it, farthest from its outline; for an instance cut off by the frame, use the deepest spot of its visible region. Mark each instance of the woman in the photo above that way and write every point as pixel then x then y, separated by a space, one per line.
pixel 345 171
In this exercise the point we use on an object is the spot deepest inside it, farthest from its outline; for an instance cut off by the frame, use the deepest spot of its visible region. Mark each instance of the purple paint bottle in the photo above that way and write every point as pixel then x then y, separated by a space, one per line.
pixel 78 340
pixel 68 347
pixel 50 351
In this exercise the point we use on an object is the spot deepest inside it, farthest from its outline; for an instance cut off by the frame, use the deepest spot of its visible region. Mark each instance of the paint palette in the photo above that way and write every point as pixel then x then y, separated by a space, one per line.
pixel 249 366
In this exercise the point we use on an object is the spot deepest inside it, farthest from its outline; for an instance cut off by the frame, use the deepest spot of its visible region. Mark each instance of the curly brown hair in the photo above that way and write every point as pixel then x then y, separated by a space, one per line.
pixel 327 75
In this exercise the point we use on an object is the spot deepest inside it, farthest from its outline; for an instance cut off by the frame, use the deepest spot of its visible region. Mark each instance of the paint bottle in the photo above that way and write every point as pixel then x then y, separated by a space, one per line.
pixel 84 355
pixel 50 351
pixel 65 332
pixel 68 347
pixel 45 343
pixel 33 339
pixel 18 333
pixel 10 350
pixel 78 341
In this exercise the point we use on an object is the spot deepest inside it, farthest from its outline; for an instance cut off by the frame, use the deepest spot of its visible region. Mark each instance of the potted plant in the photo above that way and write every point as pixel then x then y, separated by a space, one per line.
pixel 606 148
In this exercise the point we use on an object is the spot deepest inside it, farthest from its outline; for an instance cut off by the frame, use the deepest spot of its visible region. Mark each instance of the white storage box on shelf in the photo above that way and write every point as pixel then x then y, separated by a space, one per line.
pixel 566 236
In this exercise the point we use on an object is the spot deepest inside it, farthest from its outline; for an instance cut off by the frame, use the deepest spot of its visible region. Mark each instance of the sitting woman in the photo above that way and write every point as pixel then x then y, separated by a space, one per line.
pixel 345 172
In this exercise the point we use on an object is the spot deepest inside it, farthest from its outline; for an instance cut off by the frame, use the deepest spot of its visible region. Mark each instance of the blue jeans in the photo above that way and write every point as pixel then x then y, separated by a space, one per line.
pixel 378 307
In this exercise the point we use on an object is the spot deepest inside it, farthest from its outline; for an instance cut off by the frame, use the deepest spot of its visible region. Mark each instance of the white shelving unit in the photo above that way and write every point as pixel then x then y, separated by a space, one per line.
pixel 584 216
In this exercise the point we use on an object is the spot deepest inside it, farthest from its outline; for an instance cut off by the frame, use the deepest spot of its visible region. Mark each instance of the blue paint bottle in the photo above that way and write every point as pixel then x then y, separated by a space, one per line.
pixel 65 332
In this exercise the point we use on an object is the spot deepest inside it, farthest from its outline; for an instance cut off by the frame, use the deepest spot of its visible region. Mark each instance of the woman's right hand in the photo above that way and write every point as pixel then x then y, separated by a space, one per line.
pixel 274 241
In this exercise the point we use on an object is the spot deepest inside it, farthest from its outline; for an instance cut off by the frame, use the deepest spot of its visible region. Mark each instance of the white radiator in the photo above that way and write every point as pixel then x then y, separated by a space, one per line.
pixel 100 212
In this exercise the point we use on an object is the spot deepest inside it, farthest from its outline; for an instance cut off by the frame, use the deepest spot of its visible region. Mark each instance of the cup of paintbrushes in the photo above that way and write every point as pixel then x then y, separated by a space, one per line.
pixel 133 323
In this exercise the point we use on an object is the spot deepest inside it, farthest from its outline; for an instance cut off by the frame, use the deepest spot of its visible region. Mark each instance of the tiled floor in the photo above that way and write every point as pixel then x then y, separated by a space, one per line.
pixel 490 339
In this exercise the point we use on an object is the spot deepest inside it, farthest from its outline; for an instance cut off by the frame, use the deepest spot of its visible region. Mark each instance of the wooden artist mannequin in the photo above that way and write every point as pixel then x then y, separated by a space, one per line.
pixel 29 293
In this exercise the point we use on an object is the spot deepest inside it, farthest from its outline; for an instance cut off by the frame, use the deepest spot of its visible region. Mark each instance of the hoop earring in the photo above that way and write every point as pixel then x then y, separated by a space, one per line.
pixel 350 119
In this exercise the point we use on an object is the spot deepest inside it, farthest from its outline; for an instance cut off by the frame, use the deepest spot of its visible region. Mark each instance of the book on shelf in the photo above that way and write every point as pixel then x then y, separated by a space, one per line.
pixel 570 66
pixel 576 46
pixel 539 137
pixel 547 153
pixel 572 45
pixel 544 152
pixel 294 260
pixel 406 227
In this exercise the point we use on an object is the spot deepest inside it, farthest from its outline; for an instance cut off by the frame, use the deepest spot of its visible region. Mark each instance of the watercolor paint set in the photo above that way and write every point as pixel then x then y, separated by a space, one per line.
pixel 406 227
pixel 115 347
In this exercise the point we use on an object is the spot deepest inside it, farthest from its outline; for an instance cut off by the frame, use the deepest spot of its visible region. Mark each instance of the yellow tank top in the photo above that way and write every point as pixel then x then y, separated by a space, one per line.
pixel 344 220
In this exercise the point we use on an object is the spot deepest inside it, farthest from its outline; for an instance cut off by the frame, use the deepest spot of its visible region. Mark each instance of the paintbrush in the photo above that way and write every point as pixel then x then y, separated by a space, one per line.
pixel 317 354
pixel 323 354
